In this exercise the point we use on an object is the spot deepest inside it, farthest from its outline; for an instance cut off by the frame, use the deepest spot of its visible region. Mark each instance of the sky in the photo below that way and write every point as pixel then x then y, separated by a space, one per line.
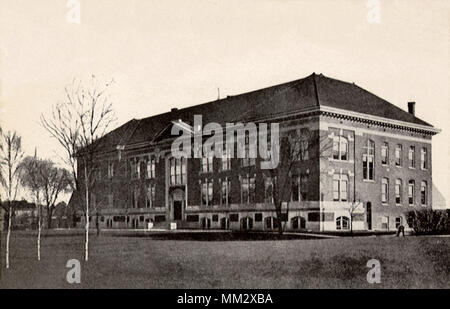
pixel 165 54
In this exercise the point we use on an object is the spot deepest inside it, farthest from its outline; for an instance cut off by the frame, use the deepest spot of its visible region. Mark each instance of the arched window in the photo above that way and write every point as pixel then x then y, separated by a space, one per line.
pixel 206 223
pixel 411 192
pixel 298 223
pixel 398 191
pixel 224 223
pixel 368 160
pixel 423 193
pixel 246 223
pixel 398 155
pixel 271 223
pixel 342 223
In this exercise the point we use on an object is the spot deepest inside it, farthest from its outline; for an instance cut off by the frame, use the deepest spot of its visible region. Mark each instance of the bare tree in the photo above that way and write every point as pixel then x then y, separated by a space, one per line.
pixel 354 206
pixel 11 155
pixel 78 123
pixel 43 176
pixel 31 178
pixel 55 181
pixel 296 148
pixel 44 180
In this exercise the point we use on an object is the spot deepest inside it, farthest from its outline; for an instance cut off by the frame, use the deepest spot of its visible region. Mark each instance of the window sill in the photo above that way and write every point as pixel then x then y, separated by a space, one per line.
pixel 343 161
pixel 386 204
pixel 369 180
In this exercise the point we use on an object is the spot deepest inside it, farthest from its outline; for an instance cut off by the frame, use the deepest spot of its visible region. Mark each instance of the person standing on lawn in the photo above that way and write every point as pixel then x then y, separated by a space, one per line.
pixel 401 229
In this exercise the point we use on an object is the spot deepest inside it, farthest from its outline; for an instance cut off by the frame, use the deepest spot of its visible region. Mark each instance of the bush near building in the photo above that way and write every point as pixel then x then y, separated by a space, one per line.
pixel 429 221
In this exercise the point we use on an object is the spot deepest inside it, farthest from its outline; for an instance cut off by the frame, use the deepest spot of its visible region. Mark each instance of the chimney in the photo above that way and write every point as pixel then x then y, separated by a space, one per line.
pixel 174 109
pixel 412 108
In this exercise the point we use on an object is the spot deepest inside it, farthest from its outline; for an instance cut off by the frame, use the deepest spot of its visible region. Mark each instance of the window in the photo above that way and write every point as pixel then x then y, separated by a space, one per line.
pixel 385 154
pixel 207 192
pixel 423 159
pixel 398 222
pixel 304 187
pixel 385 190
pixel 268 190
pixel 110 170
pixel 247 161
pixel 135 198
pixel 133 168
pixel 151 168
pixel 344 188
pixel 138 170
pixel 295 189
pixel 271 223
pixel 340 148
pixel 207 164
pixel 225 191
pixel 298 223
pixel 234 217
pixel 335 189
pixel 340 188
pixel 150 197
pixel 368 160
pixel 411 192
pixel 304 148
pixel 385 223
pixel 192 218
pixel 248 190
pixel 398 191
pixel 342 223
pixel 258 217
pixel 411 156
pixel 398 155
pixel 226 161
pixel 177 171
pixel 246 223
pixel 110 200
pixel 423 193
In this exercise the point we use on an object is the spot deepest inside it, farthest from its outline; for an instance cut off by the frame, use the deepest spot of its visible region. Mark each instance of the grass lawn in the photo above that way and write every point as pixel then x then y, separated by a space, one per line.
pixel 143 262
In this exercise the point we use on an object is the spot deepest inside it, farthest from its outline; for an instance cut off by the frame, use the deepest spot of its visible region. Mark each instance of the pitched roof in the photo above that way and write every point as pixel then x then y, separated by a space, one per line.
pixel 312 91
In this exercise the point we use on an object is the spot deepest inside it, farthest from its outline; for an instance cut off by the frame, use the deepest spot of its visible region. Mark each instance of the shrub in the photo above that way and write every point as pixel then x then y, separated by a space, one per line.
pixel 428 221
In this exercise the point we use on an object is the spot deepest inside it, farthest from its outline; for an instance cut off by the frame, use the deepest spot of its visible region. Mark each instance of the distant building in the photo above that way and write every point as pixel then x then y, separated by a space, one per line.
pixel 24 215
pixel 62 216
pixel 379 161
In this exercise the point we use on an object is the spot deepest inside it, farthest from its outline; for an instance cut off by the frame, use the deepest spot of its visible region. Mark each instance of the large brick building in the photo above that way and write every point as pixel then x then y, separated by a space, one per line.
pixel 378 165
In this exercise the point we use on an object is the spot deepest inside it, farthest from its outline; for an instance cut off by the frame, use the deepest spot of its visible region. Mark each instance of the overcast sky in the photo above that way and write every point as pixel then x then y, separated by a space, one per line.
pixel 165 54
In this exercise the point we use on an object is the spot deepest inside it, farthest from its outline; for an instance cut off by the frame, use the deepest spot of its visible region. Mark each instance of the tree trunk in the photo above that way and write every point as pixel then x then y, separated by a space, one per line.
pixel 49 217
pixel 39 235
pixel 8 235
pixel 86 244
pixel 278 206
pixel 351 225
pixel 97 224
pixel 280 225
